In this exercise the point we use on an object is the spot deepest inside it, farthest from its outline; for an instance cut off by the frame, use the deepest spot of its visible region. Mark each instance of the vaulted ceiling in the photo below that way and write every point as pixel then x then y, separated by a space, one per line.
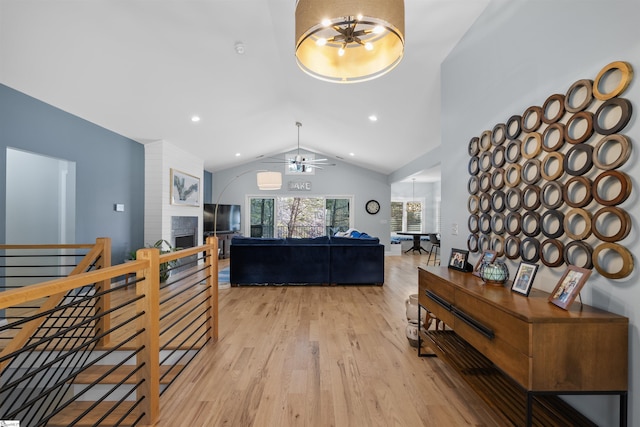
pixel 143 68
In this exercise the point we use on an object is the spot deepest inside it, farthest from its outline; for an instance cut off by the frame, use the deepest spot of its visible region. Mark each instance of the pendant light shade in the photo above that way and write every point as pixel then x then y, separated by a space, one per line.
pixel 269 180
pixel 349 41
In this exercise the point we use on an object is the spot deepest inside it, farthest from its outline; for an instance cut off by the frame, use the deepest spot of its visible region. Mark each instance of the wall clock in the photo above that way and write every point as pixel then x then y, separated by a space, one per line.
pixel 373 207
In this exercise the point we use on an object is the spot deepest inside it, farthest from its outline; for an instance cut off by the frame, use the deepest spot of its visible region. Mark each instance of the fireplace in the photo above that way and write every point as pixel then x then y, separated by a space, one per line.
pixel 184 231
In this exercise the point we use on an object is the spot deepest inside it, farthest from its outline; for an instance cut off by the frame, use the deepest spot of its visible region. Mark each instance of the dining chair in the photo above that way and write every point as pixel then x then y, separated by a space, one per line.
pixel 435 249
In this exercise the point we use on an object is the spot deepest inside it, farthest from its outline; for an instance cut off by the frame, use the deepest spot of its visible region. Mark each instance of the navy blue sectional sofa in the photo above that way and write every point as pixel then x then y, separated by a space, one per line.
pixel 321 260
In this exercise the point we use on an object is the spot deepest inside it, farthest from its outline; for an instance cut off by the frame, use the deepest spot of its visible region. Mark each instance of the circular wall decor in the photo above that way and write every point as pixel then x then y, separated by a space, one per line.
pixel 607 106
pixel 473 204
pixel 531 197
pixel 526 246
pixel 547 192
pixel 546 249
pixel 548 220
pixel 485 182
pixel 605 177
pixel 555 131
pixel 575 122
pixel 474 165
pixel 600 152
pixel 513 223
pixel 474 146
pixel 553 108
pixel 531 223
pixel 513 127
pixel 499 134
pixel 497 179
pixel 573 187
pixel 579 96
pixel 513 151
pixel 570 226
pixel 513 199
pixel 531 145
pixel 472 242
pixel 572 157
pixel 531 165
pixel 485 140
pixel 485 161
pixel 498 201
pixel 498 223
pixel 602 217
pixel 498 158
pixel 531 118
pixel 550 159
pixel 512 247
pixel 485 224
pixel 512 175
pixel 626 72
pixel 497 244
pixel 485 202
pixel 575 247
pixel 473 185
pixel 601 251
pixel 473 223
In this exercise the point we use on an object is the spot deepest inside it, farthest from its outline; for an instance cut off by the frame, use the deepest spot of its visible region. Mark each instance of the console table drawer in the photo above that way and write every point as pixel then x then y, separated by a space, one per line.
pixel 504 326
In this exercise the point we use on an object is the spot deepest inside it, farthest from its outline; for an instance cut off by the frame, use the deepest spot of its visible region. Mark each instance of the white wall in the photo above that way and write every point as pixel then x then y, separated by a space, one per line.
pixel 516 55
pixel 160 158
pixel 340 180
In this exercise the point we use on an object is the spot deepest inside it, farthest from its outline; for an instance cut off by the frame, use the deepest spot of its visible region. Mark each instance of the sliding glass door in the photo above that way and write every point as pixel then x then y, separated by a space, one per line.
pixel 299 216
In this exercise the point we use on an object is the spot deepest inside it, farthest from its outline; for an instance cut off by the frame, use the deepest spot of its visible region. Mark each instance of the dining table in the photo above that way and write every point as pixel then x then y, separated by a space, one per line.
pixel 417 241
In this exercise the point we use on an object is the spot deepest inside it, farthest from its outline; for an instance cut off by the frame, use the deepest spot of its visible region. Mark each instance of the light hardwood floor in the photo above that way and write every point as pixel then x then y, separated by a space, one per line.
pixel 321 356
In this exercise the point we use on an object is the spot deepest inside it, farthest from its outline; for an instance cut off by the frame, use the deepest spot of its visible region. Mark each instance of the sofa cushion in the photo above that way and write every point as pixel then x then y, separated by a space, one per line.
pixel 322 240
pixel 355 241
pixel 241 240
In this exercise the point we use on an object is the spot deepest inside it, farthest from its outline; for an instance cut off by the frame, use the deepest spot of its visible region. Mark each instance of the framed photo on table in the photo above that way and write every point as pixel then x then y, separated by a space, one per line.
pixel 487 256
pixel 458 259
pixel 569 286
pixel 524 278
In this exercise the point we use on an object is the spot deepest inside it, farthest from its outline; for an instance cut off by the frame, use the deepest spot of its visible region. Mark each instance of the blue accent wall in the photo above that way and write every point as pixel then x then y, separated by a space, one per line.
pixel 109 168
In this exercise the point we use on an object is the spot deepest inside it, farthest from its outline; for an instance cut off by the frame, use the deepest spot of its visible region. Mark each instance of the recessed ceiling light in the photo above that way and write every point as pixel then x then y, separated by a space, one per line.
pixel 373 118
pixel 195 119
pixel 352 154
pixel 237 154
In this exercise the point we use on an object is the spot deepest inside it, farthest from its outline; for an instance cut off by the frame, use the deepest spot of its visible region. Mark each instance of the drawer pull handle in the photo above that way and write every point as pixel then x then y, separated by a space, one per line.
pixel 439 300
pixel 479 327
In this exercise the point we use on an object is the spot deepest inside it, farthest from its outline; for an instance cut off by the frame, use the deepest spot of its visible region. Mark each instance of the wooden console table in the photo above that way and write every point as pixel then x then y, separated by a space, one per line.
pixel 535 349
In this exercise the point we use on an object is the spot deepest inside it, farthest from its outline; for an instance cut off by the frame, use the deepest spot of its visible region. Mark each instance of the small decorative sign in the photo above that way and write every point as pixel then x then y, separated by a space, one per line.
pixel 299 185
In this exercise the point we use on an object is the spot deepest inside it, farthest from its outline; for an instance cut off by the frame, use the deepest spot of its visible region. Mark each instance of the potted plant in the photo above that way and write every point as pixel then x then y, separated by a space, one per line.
pixel 165 248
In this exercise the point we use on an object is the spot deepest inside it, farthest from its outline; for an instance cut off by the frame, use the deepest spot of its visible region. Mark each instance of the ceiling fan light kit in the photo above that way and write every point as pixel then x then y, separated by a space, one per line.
pixel 349 41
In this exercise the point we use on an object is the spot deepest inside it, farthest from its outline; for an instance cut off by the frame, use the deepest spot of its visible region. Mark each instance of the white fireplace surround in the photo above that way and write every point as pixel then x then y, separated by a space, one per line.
pixel 160 158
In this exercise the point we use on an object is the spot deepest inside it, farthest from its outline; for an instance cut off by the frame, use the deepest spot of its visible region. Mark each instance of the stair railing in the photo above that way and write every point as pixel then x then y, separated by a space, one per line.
pixel 100 316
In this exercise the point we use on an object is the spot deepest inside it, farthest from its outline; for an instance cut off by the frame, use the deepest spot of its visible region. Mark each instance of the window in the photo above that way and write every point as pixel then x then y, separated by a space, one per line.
pixel 299 216
pixel 406 216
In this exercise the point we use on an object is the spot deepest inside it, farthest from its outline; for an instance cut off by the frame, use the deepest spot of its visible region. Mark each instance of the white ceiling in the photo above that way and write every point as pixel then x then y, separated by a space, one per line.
pixel 143 68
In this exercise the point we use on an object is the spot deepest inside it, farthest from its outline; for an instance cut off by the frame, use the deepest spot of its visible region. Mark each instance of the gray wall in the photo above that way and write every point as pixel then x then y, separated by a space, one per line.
pixel 340 180
pixel 516 55
pixel 109 168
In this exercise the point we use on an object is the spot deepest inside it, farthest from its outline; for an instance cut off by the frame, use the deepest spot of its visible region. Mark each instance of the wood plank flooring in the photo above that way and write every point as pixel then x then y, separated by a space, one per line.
pixel 321 356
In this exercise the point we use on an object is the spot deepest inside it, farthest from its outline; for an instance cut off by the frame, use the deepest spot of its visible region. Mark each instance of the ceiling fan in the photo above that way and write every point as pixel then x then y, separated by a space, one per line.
pixel 300 163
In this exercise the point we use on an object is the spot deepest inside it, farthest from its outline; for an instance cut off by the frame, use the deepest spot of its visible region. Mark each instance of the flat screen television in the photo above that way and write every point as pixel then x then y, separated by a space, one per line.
pixel 228 218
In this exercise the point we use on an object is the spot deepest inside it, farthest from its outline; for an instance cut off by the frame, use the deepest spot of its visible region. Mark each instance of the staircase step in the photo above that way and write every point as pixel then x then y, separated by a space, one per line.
pixel 94 372
pixel 75 409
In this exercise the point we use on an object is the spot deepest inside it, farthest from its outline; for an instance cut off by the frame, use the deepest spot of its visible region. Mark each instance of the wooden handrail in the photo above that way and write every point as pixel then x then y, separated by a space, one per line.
pixel 147 270
pixel 97 251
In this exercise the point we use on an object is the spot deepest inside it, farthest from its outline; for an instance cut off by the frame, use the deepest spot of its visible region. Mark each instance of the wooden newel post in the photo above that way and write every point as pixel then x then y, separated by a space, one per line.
pixel 212 256
pixel 103 304
pixel 148 285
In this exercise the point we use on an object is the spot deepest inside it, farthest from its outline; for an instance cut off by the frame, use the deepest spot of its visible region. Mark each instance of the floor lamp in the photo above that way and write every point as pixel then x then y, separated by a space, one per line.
pixel 266 180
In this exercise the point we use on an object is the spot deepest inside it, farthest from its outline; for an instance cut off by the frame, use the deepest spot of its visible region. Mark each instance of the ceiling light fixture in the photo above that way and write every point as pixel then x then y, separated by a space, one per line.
pixel 413 206
pixel 347 41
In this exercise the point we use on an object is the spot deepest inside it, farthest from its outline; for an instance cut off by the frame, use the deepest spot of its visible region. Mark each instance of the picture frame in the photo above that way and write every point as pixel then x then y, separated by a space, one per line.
pixel 488 256
pixel 185 189
pixel 523 281
pixel 569 286
pixel 458 259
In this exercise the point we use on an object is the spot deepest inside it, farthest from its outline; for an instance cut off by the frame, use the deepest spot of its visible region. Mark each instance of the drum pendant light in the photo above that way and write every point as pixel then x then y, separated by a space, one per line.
pixel 349 41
